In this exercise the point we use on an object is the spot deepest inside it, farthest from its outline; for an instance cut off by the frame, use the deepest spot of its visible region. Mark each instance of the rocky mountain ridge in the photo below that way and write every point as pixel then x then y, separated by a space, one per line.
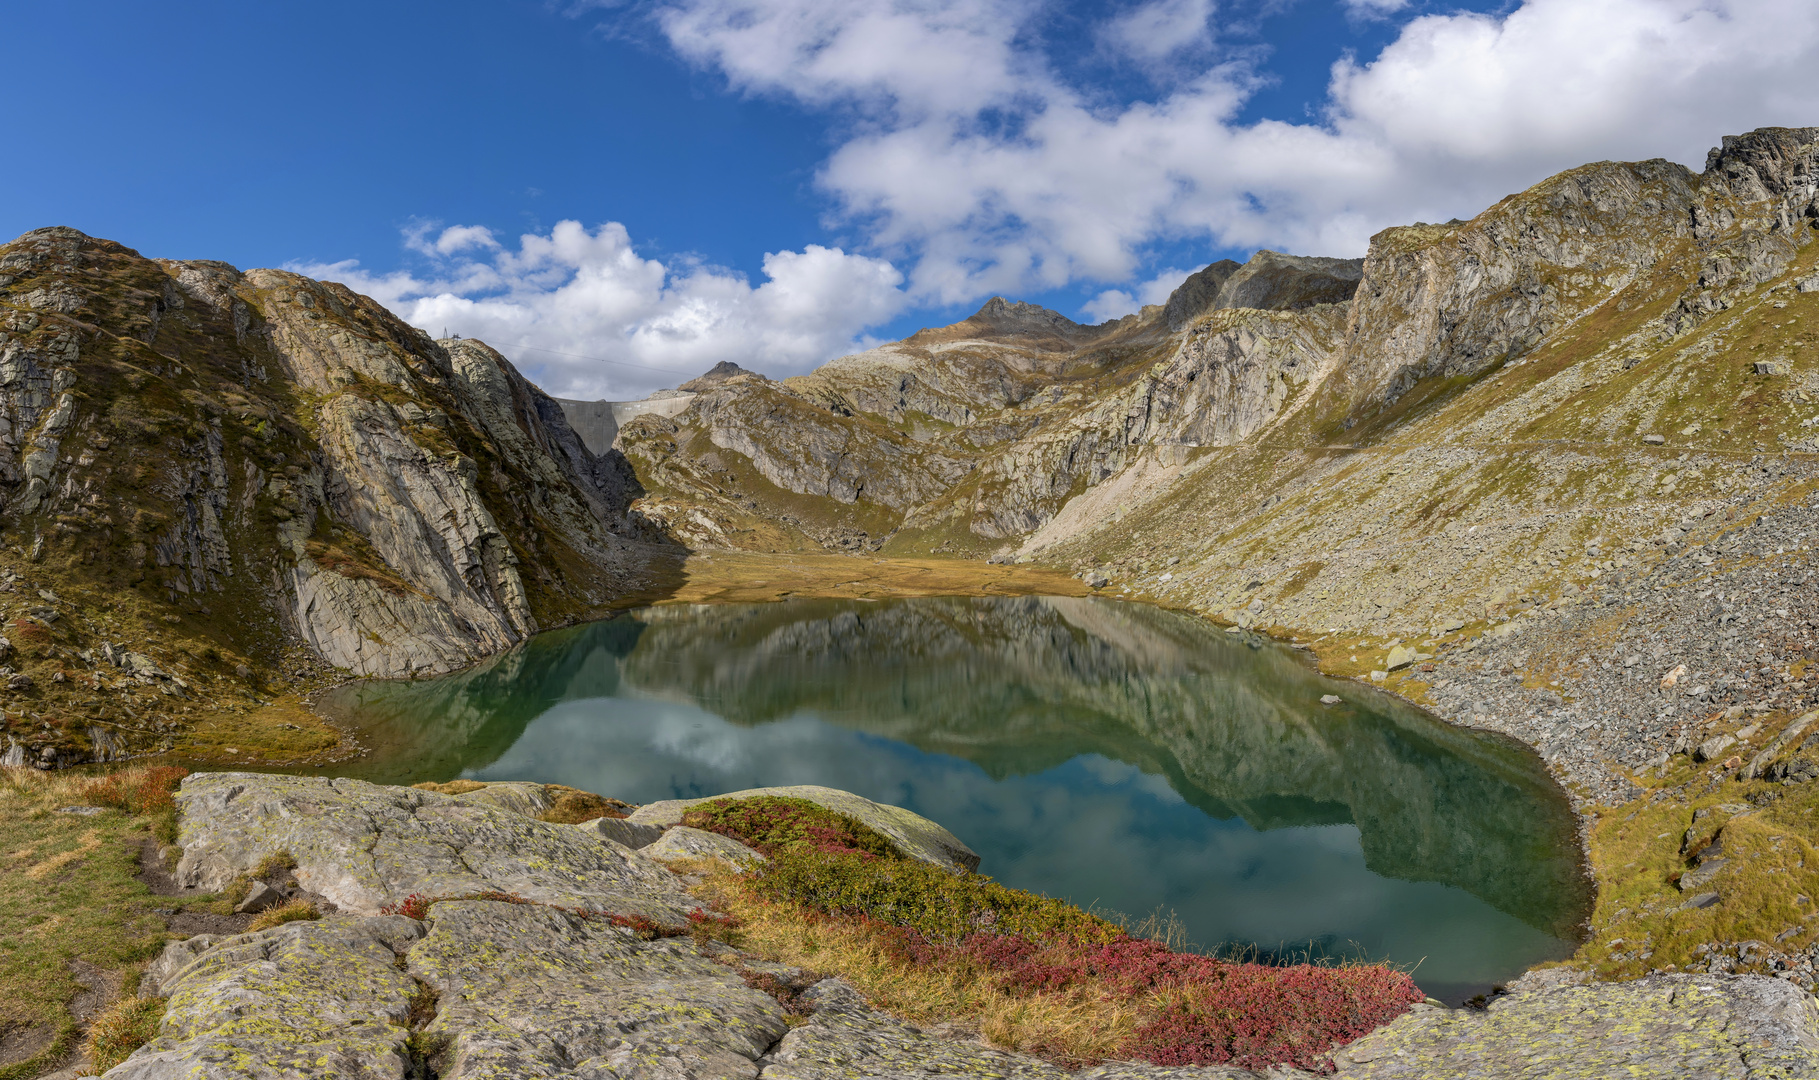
pixel 1480 399
pixel 213 465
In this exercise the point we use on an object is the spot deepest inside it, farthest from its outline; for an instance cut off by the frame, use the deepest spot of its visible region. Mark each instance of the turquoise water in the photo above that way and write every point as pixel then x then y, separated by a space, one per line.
pixel 1113 754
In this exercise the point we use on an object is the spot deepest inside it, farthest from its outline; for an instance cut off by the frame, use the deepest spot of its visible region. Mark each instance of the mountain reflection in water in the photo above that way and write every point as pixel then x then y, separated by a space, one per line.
pixel 1118 754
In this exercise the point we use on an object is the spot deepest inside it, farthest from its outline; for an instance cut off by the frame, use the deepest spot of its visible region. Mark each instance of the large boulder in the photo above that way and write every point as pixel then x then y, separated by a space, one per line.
pixel 364 847
pixel 915 835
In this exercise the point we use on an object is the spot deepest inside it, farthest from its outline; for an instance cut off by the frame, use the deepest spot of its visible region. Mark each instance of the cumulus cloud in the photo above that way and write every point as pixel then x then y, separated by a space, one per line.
pixel 584 315
pixel 975 164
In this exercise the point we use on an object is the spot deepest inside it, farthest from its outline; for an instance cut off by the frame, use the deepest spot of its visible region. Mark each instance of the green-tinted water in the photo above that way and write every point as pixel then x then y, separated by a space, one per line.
pixel 1113 754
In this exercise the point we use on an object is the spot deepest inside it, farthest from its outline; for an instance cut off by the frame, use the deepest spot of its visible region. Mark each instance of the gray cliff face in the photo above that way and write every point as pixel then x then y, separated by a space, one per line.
pixel 1459 299
pixel 269 445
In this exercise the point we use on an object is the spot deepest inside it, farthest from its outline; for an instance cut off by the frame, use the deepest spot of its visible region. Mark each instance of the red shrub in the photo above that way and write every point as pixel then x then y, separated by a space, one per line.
pixel 1255 1016
pixel 1221 1013
pixel 136 791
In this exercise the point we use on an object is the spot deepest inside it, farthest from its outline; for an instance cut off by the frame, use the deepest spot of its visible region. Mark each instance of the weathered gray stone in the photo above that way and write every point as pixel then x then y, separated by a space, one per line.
pixel 1402 656
pixel 529 991
pixel 260 897
pixel 682 842
pixel 516 796
pixel 1664 1027
pixel 621 831
pixel 1712 748
pixel 320 998
pixel 917 836
pixel 363 846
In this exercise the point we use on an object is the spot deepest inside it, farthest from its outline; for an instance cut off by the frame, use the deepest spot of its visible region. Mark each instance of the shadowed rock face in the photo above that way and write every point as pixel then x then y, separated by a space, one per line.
pixel 1270 281
pixel 1198 294
pixel 1022 685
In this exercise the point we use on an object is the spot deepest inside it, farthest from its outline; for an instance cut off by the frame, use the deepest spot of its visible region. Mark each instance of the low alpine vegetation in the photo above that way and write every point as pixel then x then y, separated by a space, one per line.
pixel 774 823
pixel 125 1025
pixel 294 911
pixel 1034 973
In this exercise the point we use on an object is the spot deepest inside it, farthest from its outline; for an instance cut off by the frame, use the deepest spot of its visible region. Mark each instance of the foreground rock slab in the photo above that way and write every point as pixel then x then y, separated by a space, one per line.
pixel 501 989
pixel 1666 1026
pixel 916 835
pixel 305 999
pixel 530 991
pixel 364 847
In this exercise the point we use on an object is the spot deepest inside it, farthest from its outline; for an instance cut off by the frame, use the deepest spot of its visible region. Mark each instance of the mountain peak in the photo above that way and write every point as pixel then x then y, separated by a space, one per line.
pixel 722 372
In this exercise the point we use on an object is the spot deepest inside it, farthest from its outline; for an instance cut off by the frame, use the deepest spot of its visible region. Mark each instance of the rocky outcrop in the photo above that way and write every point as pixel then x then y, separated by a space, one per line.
pixel 366 847
pixel 276 447
pixel 914 835
pixel 1270 281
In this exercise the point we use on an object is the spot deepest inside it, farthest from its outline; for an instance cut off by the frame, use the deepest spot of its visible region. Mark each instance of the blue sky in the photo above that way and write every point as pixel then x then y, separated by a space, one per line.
pixel 778 181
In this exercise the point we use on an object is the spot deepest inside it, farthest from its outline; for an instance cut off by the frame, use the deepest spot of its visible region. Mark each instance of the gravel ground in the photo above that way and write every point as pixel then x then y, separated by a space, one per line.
pixel 1709 633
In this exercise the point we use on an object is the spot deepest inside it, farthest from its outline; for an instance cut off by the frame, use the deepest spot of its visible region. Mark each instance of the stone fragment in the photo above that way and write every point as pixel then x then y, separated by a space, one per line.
pixel 1770 367
pixel 1403 655
pixel 682 842
pixel 363 847
pixel 1654 440
pixel 1097 580
pixel 1331 699
pixel 1712 747
pixel 915 835
pixel 1702 900
pixel 259 898
pixel 1379 676
pixel 621 831
pixel 1672 678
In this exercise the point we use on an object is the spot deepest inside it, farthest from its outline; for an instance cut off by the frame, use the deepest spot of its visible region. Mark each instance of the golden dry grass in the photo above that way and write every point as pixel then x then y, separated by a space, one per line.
pixel 67 892
pixel 1074 1025
pixel 737 577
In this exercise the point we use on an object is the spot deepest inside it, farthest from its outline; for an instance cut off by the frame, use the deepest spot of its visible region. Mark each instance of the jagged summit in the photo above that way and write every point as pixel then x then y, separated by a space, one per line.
pixel 720 373
pixel 1270 281
pixel 1198 294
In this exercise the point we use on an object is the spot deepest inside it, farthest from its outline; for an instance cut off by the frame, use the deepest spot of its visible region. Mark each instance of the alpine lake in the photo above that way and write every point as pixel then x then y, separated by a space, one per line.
pixel 1127 758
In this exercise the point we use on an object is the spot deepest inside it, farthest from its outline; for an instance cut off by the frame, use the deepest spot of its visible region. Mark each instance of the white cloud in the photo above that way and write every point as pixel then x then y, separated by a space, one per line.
pixel 1368 9
pixel 591 294
pixel 1161 28
pixel 1117 303
pixel 976 165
